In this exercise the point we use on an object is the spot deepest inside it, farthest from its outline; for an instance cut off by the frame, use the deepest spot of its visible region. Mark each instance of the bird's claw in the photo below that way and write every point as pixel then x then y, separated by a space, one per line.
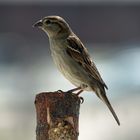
pixel 81 100
pixel 59 91
pixel 69 91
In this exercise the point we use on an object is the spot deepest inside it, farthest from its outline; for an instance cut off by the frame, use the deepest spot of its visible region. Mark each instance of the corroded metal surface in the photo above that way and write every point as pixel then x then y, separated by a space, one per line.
pixel 57 116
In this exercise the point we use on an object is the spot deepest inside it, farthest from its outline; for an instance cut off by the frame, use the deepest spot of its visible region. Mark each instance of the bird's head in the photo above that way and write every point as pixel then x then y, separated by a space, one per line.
pixel 54 26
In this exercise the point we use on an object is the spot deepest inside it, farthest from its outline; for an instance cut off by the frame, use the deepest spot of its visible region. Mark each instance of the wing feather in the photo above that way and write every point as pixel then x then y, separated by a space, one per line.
pixel 77 51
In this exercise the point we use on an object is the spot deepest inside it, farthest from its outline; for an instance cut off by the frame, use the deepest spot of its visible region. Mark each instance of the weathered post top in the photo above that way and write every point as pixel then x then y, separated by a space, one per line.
pixel 57 116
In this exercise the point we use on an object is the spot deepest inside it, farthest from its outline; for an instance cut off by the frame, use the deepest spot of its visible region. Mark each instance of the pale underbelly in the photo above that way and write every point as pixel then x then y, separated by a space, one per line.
pixel 72 71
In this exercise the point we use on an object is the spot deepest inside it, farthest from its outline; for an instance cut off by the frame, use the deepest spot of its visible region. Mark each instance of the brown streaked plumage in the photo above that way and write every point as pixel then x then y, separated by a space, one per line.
pixel 72 58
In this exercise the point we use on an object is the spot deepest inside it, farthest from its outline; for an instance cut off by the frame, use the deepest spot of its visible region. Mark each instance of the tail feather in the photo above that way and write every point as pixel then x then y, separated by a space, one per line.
pixel 103 97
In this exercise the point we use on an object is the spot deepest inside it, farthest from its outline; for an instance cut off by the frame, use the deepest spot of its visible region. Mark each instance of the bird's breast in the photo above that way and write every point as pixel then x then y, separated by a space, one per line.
pixel 67 65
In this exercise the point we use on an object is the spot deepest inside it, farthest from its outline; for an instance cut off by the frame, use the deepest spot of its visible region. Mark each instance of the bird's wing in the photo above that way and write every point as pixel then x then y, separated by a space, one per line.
pixel 79 53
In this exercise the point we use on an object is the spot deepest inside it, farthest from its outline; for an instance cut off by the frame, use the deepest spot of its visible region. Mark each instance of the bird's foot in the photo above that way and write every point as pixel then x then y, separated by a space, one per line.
pixel 78 93
pixel 81 100
pixel 71 91
pixel 59 91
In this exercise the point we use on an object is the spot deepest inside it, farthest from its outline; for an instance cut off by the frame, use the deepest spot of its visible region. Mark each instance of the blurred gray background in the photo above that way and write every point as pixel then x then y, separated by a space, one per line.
pixel 111 32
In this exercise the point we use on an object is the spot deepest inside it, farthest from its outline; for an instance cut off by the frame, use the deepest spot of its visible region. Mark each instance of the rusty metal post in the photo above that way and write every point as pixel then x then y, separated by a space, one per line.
pixel 57 116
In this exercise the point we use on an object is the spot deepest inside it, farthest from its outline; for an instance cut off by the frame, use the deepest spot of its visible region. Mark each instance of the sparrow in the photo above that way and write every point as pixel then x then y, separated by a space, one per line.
pixel 72 59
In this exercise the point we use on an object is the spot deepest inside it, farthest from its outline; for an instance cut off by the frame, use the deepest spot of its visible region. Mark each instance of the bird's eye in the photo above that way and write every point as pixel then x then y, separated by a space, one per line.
pixel 47 22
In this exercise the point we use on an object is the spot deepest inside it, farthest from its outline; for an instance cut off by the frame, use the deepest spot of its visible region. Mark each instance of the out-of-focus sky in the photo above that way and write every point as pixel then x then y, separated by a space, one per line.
pixel 110 31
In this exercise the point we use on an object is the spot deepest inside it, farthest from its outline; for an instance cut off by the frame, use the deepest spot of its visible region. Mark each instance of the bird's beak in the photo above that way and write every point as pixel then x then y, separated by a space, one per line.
pixel 38 24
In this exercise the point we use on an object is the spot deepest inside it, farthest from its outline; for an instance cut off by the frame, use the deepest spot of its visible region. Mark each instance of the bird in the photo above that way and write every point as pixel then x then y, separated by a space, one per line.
pixel 72 58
